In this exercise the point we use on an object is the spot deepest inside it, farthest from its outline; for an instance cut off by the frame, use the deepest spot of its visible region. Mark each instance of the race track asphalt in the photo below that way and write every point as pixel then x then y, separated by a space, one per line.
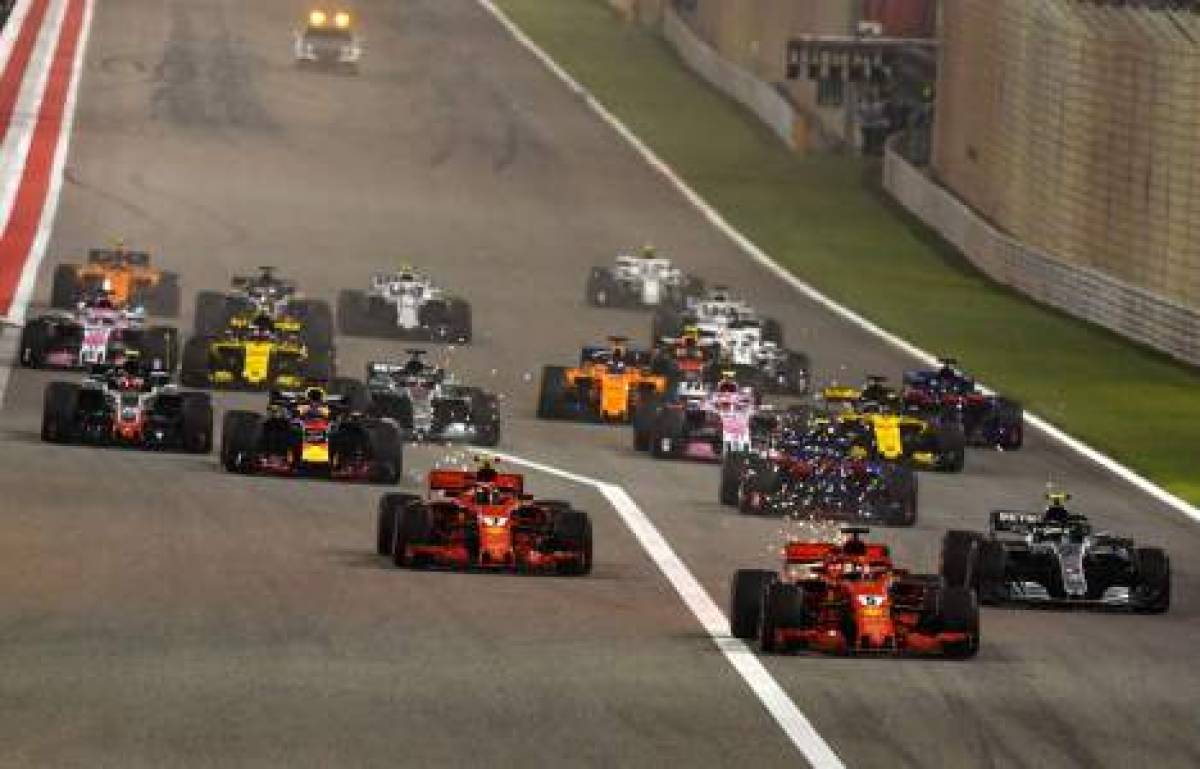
pixel 157 612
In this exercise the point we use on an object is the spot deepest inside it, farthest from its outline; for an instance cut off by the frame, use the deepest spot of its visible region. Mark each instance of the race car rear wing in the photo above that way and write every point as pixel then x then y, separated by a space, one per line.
pixel 111 257
pixel 1013 521
pixel 453 481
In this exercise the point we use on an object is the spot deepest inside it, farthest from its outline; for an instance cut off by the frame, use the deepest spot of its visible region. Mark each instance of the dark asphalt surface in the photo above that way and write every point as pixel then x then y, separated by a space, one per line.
pixel 157 612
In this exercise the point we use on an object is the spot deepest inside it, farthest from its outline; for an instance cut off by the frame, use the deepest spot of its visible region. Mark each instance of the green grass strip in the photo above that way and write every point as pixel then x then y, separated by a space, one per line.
pixel 824 218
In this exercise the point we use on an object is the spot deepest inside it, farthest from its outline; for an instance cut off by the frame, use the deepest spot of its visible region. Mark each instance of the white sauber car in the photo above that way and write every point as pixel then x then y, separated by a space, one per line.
pixel 644 279
pixel 404 304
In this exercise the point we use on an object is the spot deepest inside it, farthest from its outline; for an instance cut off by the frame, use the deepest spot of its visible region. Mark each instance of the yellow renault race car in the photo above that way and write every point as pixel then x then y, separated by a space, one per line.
pixel 255 352
pixel 896 436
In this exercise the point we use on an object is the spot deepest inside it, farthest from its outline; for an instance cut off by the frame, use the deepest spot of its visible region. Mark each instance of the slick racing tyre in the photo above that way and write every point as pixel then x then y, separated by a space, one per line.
pixel 602 290
pixel 960 558
pixel 387 453
pixel 64 288
pixel 390 507
pixel 196 423
pixel 960 614
pixel 732 468
pixel 241 434
pixel 60 407
pixel 1152 592
pixel 194 367
pixel 670 429
pixel 213 310
pixel 413 526
pixel 316 322
pixel 782 608
pixel 164 299
pixel 571 531
pixel 34 338
pixel 552 395
pixel 746 601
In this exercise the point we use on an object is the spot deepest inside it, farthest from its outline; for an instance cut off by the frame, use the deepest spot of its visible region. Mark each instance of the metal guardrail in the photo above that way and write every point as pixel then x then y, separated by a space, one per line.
pixel 1091 295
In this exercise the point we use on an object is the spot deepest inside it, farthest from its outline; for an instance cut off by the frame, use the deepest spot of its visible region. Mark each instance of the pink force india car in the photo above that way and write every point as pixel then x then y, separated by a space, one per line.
pixel 98 332
pixel 697 420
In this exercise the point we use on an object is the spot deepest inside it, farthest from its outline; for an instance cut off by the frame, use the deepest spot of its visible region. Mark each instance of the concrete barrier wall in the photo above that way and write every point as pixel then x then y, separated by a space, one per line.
pixel 1075 127
pixel 756 95
pixel 1086 293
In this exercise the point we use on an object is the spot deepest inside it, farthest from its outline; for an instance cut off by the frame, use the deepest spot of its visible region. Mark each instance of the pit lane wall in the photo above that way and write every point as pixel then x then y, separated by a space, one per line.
pixel 1086 293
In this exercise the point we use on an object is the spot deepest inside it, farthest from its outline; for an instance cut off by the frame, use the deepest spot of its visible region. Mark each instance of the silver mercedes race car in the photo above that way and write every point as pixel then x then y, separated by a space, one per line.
pixel 1056 558
pixel 429 405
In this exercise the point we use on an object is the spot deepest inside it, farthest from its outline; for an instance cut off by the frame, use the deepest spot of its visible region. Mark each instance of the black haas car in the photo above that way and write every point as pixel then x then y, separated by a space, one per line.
pixel 128 406
pixel 314 434
pixel 1056 558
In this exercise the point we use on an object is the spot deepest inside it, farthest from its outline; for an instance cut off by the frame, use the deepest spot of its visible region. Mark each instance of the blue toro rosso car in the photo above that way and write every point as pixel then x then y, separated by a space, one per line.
pixel 987 419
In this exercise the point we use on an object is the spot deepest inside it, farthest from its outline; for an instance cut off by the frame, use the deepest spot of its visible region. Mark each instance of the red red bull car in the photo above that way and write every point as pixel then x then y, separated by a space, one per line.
pixel 483 519
pixel 848 598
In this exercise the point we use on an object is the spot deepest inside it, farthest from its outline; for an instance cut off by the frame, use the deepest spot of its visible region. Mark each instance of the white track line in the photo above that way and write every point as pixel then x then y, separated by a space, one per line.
pixel 795 725
pixel 41 240
pixel 14 152
pixel 757 254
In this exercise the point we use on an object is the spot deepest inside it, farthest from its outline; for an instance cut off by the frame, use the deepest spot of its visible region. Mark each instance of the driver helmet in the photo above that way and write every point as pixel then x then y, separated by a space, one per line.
pixel 649 251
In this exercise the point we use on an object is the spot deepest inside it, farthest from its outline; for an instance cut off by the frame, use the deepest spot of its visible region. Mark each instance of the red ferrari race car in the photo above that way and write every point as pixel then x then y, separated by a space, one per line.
pixel 483 519
pixel 848 598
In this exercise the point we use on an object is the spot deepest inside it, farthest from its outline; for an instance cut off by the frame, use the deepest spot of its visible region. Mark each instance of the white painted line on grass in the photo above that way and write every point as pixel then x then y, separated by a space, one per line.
pixel 795 725
pixel 757 254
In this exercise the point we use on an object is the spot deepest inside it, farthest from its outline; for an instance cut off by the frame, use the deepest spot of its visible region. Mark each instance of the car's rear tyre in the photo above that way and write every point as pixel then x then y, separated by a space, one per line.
pixel 1152 592
pixel 733 466
pixel 34 338
pixel 196 426
pixel 571 531
pixel 212 313
pixel 666 439
pixel 552 394
pixel 60 405
pixel 772 331
pixel 952 447
pixel 746 601
pixel 316 322
pixel 64 287
pixel 413 526
pixel 960 614
pixel 601 289
pixel 166 297
pixel 194 368
pixel 387 453
pixel 960 558
pixel 241 434
pixel 461 325
pixel 783 607
pixel 390 507
pixel 160 347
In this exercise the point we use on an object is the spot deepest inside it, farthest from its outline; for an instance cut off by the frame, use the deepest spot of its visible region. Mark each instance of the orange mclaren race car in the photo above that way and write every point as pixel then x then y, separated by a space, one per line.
pixel 848 598
pixel 607 385
pixel 126 276
pixel 483 519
